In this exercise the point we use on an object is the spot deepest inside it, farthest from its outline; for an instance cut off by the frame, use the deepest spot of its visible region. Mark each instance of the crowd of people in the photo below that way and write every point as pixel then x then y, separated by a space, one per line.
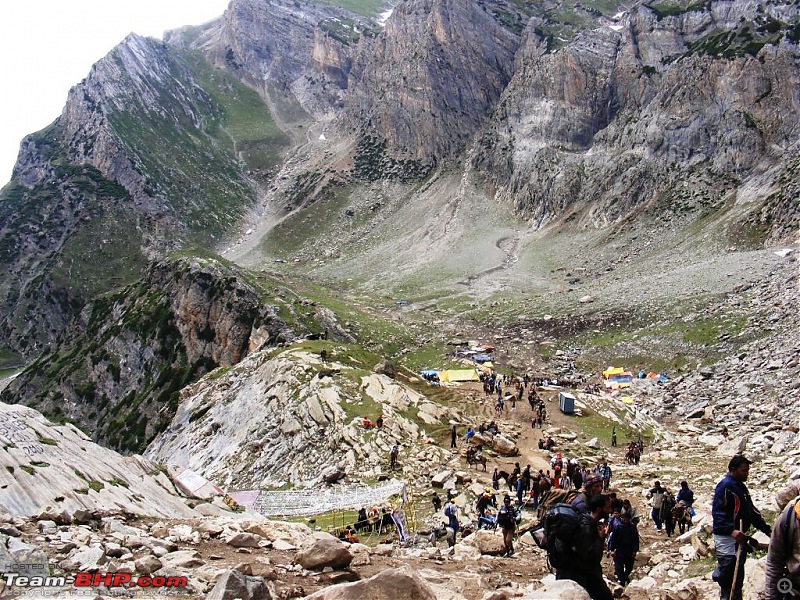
pixel 608 526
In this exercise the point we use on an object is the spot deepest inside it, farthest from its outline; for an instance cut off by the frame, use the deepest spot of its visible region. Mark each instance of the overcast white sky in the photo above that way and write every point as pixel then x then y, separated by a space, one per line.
pixel 47 46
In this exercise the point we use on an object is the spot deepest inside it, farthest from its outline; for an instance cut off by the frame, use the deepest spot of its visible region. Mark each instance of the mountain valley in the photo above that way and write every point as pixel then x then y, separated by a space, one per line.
pixel 236 244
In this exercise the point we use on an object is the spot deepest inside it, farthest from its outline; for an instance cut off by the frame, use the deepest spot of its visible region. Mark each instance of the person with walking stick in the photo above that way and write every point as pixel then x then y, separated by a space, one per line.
pixel 733 513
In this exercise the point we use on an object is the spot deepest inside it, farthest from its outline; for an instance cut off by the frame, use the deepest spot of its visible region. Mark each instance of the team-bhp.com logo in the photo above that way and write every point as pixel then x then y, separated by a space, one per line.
pixel 85 580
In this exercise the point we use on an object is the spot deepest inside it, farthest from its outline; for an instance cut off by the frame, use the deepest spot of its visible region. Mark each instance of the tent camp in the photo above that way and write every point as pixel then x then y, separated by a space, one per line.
pixel 459 375
pixel 616 378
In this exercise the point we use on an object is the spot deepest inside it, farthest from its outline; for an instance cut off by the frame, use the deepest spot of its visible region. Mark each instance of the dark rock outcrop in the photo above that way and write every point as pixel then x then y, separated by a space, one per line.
pixel 122 362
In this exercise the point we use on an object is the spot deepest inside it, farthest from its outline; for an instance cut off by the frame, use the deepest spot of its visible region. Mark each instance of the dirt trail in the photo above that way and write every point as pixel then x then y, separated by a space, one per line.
pixel 528 442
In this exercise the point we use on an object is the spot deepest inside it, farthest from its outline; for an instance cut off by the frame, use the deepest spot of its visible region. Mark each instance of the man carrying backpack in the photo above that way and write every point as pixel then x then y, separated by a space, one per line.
pixel 507 522
pixel 656 496
pixel 580 559
pixel 783 559
pixel 451 512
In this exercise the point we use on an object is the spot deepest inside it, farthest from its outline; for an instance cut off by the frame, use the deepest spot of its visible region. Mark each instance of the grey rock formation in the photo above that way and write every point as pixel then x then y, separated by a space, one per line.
pixel 233 584
pixel 289 418
pixel 132 351
pixel 43 461
pixel 645 104
pixel 324 552
pixel 383 586
pixel 425 98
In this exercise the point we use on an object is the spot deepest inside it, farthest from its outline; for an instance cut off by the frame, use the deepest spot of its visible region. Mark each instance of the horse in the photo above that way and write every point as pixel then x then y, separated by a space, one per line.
pixel 633 454
pixel 386 523
pixel 682 516
pixel 475 458
pixel 362 524
pixel 506 476
pixel 438 532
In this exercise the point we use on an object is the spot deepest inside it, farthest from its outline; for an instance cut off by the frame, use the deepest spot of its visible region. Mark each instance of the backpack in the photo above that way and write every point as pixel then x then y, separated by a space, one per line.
pixel 552 497
pixel 506 518
pixel 561 534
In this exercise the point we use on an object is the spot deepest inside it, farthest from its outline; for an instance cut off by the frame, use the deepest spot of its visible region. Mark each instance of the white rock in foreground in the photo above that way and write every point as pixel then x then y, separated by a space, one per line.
pixel 43 463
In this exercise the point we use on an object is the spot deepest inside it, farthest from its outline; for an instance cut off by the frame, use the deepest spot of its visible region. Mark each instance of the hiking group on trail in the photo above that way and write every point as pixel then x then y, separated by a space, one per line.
pixel 581 520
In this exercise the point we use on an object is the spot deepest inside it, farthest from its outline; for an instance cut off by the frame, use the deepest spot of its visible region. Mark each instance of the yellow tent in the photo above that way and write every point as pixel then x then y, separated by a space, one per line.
pixel 459 375
pixel 610 371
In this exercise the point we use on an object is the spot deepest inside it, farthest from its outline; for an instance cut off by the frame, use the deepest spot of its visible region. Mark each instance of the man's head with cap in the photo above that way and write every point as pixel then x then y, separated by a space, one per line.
pixel 739 467
pixel 593 484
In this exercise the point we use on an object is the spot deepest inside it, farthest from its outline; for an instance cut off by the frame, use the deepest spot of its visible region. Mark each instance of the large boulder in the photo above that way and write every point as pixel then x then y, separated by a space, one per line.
pixel 441 477
pixel 332 474
pixel 502 445
pixel 487 542
pixel 243 540
pixel 386 585
pixel 235 585
pixel 685 590
pixel 182 559
pixel 297 534
pixel 385 368
pixel 325 552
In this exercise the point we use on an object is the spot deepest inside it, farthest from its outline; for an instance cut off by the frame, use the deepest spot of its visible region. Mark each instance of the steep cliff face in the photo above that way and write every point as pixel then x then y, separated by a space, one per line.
pixel 674 110
pixel 429 81
pixel 285 49
pixel 121 363
pixel 142 160
pixel 139 97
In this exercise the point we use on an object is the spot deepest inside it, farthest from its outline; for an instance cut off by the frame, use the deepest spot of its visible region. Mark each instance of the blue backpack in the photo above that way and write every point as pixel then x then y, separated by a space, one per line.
pixel 561 534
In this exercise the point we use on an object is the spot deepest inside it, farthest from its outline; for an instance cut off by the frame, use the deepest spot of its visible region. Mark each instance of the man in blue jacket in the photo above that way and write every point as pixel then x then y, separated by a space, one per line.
pixel 733 513
pixel 623 543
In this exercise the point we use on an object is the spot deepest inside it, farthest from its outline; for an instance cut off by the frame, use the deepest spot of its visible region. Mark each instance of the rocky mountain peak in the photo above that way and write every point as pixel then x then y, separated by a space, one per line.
pixel 431 78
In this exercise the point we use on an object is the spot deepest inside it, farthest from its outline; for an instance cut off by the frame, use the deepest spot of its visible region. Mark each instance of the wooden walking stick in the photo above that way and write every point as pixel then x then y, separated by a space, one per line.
pixel 736 568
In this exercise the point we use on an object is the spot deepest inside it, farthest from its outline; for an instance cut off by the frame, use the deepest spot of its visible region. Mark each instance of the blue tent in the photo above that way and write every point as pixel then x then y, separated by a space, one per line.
pixel 481 358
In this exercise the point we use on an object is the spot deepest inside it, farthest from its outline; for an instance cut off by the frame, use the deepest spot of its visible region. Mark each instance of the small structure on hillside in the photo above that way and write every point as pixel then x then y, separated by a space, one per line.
pixel 566 403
